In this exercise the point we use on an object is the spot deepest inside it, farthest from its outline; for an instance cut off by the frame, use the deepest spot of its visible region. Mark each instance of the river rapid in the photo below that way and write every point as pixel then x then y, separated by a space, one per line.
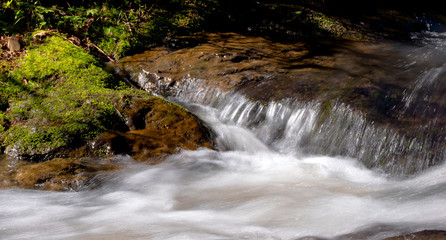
pixel 279 173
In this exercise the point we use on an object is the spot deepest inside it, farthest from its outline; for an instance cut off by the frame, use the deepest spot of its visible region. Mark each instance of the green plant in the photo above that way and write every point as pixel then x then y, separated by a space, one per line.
pixel 117 27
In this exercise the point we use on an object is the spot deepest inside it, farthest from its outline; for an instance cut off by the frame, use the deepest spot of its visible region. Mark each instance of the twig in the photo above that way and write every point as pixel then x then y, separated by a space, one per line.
pixel 100 50
pixel 44 33
pixel 119 113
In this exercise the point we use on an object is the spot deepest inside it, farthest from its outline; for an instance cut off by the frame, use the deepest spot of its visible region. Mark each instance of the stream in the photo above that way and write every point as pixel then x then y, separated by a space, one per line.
pixel 283 170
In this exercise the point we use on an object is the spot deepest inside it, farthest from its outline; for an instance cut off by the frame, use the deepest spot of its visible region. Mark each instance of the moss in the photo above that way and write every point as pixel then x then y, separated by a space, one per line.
pixel 8 86
pixel 2 125
pixel 328 24
pixel 65 100
pixel 58 56
pixel 37 140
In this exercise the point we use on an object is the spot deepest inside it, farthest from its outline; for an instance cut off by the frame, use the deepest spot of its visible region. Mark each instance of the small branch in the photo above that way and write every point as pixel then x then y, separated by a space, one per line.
pixel 119 113
pixel 102 51
pixel 44 34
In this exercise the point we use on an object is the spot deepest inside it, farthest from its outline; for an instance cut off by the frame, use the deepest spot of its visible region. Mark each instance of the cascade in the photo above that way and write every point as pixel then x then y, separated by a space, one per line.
pixel 294 127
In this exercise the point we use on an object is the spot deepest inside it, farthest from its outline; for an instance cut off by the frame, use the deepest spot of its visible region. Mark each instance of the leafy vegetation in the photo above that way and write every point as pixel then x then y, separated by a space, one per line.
pixel 117 27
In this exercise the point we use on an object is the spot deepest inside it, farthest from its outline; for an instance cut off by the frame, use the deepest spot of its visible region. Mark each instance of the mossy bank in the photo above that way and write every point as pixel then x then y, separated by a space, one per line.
pixel 59 99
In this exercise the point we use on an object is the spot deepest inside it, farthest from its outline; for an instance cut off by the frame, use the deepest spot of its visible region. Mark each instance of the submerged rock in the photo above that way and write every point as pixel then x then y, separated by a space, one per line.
pixel 58 174
pixel 422 235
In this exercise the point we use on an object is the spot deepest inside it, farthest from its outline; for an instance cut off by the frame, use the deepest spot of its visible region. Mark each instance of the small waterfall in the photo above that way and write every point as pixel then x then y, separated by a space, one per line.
pixel 293 127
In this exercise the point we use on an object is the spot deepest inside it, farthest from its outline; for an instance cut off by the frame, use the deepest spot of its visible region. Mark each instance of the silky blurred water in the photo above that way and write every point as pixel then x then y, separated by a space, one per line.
pixel 248 191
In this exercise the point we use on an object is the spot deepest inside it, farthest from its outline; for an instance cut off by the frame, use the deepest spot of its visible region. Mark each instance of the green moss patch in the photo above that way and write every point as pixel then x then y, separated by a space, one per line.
pixel 58 98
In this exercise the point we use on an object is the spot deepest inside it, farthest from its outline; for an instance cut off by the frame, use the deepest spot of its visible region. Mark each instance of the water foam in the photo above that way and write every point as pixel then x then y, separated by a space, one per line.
pixel 206 194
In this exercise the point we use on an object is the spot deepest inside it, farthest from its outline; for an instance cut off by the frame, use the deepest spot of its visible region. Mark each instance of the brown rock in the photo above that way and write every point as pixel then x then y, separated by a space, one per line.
pixel 257 67
pixel 157 128
pixel 422 235
pixel 13 44
pixel 59 174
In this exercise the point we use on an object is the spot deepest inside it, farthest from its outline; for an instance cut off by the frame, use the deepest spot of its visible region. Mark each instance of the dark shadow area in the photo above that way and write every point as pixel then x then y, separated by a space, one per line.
pixel 287 20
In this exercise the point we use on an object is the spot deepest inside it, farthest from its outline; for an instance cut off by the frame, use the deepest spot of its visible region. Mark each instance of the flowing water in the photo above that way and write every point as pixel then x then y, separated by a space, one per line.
pixel 284 170
pixel 291 127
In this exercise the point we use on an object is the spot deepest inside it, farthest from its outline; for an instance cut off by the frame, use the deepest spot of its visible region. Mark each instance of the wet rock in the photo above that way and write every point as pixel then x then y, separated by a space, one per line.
pixel 422 235
pixel 266 70
pixel 157 128
pixel 59 174
pixel 227 59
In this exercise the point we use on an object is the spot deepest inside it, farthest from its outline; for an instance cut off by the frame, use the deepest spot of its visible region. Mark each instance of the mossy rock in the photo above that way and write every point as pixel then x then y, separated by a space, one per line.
pixel 58 97
pixel 60 100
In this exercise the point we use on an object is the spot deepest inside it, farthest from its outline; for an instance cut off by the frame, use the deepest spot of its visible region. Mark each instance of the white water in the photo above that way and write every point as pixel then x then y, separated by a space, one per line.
pixel 249 191
pixel 231 195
